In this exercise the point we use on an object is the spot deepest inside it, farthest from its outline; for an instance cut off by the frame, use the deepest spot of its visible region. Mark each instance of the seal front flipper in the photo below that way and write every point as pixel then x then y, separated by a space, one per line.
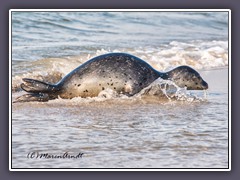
pixel 36 86
pixel 33 97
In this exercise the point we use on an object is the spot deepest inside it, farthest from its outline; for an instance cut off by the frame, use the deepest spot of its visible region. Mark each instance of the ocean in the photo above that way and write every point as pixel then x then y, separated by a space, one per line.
pixel 190 131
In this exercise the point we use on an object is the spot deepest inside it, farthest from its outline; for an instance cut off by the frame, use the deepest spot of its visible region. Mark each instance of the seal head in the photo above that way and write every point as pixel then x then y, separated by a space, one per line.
pixel 185 76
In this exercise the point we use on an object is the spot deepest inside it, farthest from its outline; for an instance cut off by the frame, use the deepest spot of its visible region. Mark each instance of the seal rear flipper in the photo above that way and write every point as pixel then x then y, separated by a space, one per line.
pixel 35 86
pixel 32 97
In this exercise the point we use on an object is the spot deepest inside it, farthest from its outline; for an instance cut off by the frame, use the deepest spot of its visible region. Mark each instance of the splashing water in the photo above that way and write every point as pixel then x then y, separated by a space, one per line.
pixel 167 89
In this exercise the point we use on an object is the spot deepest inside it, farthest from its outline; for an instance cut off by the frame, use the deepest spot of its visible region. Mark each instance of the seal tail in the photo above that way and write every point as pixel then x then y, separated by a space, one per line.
pixel 36 86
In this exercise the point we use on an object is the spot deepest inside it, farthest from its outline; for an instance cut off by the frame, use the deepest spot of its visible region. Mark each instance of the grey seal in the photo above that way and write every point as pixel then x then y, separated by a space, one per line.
pixel 121 72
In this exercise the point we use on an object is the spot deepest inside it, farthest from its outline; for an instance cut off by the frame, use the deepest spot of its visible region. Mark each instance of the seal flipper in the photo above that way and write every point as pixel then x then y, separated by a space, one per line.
pixel 33 97
pixel 35 86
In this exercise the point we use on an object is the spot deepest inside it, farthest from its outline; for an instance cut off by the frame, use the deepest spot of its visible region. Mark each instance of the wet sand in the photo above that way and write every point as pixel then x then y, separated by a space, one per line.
pixel 126 133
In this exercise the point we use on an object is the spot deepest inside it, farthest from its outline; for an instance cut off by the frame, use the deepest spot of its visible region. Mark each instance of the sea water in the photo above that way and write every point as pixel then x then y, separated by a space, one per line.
pixel 183 129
